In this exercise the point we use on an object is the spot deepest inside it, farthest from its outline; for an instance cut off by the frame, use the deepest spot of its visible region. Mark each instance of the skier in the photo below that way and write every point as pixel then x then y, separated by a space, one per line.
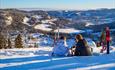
pixel 107 38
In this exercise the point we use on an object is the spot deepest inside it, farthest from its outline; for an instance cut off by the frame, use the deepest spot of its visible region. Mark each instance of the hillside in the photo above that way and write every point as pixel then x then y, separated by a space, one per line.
pixel 12 20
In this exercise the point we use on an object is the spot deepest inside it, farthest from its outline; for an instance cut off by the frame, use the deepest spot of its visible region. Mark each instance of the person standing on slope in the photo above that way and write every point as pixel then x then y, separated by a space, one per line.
pixel 108 39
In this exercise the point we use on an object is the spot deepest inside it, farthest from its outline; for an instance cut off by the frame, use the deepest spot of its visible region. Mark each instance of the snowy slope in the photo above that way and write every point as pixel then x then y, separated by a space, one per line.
pixel 39 59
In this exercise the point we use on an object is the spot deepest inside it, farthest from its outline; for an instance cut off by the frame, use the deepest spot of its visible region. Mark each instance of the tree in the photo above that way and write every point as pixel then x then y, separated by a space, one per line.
pixel 18 42
pixel 3 41
pixel 9 43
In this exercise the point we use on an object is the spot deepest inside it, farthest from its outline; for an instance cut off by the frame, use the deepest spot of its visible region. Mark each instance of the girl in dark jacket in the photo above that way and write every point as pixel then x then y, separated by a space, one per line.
pixel 82 48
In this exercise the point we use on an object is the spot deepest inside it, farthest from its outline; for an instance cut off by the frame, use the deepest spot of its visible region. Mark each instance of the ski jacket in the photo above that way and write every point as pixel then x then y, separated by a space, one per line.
pixel 61 48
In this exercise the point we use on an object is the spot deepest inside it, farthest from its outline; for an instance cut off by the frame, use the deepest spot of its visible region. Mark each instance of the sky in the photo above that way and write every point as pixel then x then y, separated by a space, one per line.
pixel 58 4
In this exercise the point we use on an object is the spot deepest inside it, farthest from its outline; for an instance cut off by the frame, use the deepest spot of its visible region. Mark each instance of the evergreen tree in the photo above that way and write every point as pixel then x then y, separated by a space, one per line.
pixel 3 41
pixel 18 42
pixel 9 43
pixel 35 45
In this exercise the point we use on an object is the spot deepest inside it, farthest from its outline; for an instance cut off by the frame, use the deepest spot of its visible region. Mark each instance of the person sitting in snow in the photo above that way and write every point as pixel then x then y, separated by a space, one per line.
pixel 61 48
pixel 82 48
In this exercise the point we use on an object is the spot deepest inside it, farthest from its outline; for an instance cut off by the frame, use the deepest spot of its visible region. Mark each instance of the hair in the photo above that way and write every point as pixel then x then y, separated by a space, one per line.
pixel 107 28
pixel 79 37
pixel 63 37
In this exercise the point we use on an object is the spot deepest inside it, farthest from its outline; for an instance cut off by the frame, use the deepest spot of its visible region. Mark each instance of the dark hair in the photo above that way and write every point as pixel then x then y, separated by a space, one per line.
pixel 62 37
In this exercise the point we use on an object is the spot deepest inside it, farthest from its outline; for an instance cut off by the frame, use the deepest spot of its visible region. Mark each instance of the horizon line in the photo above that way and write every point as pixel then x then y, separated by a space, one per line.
pixel 29 9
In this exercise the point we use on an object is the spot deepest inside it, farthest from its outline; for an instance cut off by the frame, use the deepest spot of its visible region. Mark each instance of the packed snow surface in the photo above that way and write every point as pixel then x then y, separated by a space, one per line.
pixel 40 59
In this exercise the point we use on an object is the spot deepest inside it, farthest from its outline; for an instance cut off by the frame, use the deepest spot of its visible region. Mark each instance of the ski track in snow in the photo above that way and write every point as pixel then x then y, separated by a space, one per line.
pixel 39 59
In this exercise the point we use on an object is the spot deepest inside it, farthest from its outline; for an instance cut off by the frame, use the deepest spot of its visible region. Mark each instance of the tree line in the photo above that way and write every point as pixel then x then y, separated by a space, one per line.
pixel 6 43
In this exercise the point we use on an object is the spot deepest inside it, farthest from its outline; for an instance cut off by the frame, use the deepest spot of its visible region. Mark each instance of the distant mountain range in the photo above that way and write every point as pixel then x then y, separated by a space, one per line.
pixel 12 20
pixel 56 9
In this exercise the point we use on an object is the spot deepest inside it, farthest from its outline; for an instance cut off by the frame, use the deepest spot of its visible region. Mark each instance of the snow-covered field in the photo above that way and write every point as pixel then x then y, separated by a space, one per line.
pixel 39 59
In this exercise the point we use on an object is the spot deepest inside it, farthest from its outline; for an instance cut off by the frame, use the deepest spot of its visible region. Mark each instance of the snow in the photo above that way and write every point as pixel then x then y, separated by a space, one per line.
pixel 39 59
pixel 9 20
pixel 49 20
pixel 69 30
pixel 37 16
pixel 43 27
pixel 25 20
pixel 24 52
pixel 88 24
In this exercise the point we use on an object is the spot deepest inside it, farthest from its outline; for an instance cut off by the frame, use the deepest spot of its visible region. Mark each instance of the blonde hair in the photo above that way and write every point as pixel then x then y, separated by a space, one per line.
pixel 65 38
pixel 79 37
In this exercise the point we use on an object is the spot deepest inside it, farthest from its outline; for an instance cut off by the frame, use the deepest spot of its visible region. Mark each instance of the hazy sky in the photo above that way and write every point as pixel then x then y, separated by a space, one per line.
pixel 58 4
